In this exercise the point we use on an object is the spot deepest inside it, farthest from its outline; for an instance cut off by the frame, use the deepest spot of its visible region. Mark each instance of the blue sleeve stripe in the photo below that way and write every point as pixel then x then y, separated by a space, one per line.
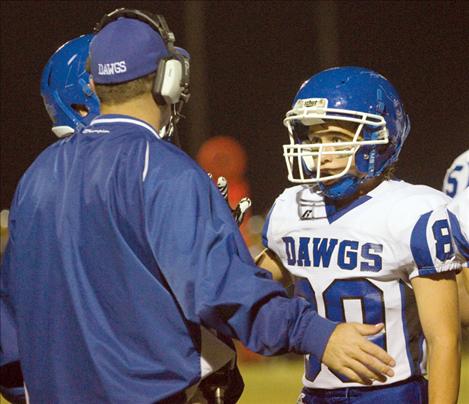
pixel 419 246
pixel 427 271
pixel 461 243
pixel 265 241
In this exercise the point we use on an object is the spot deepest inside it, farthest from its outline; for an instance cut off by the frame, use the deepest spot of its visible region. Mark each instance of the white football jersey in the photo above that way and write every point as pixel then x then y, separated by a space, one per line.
pixel 356 264
pixel 457 176
pixel 459 220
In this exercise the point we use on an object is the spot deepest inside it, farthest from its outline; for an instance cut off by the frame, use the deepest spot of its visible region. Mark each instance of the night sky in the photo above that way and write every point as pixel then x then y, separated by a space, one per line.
pixel 251 59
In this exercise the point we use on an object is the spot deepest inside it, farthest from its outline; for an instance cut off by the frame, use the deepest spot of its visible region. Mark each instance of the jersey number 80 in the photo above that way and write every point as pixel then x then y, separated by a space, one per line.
pixel 335 297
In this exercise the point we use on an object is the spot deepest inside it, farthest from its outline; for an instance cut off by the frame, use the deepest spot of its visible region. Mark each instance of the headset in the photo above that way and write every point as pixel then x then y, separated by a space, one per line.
pixel 171 85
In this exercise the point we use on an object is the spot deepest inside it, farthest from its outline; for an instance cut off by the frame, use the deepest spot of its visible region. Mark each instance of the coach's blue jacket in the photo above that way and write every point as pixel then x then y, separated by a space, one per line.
pixel 122 254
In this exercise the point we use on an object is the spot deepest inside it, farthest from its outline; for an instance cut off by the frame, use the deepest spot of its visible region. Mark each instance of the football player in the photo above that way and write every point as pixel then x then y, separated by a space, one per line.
pixel 459 219
pixel 457 176
pixel 455 185
pixel 361 245
pixel 455 182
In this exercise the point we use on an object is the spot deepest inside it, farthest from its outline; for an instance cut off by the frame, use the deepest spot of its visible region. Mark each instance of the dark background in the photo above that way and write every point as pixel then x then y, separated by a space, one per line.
pixel 248 60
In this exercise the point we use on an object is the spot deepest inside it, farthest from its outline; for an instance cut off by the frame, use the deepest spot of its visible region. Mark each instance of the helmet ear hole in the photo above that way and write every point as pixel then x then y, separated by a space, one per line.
pixel 81 109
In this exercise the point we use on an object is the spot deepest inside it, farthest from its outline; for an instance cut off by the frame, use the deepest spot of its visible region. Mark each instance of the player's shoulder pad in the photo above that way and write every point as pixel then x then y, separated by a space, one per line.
pixel 408 202
pixel 285 202
pixel 291 194
pixel 416 199
pixel 280 214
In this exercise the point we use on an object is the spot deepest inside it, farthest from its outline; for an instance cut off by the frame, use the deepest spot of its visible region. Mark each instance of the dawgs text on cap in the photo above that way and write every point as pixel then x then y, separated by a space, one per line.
pixel 125 50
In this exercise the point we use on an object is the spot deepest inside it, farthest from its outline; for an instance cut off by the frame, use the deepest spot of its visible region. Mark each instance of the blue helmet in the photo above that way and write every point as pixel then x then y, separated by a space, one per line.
pixel 370 104
pixel 65 87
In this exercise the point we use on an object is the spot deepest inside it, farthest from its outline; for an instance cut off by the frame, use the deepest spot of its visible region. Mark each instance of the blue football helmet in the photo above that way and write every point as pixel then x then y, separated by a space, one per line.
pixel 354 95
pixel 65 89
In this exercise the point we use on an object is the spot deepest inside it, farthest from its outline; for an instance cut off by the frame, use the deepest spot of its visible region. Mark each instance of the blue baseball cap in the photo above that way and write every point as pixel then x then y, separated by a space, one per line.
pixel 125 50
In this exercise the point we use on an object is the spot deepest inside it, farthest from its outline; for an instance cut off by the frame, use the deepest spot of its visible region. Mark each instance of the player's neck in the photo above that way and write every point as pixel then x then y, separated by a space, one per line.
pixel 142 107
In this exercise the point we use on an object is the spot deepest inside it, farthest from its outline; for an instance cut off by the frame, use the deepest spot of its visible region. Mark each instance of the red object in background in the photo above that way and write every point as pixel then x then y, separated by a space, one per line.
pixel 223 156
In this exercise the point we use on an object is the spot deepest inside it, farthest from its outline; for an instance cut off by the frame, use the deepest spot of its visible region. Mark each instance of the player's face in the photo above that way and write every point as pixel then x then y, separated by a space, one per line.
pixel 334 134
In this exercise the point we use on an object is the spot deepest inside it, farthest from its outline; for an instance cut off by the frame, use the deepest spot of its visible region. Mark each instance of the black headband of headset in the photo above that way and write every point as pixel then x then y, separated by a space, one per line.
pixel 156 21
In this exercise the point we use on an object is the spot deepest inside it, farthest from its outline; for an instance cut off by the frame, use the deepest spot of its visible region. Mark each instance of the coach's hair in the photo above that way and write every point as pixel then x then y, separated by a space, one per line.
pixel 122 92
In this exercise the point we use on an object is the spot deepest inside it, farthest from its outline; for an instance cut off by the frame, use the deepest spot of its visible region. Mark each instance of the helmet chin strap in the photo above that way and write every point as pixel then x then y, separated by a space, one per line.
pixel 345 187
pixel 349 184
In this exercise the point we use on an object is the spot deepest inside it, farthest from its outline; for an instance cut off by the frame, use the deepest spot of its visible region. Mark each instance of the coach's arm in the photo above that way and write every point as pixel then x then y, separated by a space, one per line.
pixel 347 351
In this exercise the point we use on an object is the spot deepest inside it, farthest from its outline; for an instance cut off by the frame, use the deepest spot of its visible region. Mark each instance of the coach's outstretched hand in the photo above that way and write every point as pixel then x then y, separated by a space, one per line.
pixel 349 352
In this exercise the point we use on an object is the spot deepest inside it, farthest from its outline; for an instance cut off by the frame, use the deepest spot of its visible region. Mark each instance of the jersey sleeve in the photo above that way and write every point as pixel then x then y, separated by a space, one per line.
pixel 212 276
pixel 420 226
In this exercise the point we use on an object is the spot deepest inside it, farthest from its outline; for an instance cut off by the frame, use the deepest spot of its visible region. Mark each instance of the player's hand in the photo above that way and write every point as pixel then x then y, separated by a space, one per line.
pixel 349 352
pixel 243 205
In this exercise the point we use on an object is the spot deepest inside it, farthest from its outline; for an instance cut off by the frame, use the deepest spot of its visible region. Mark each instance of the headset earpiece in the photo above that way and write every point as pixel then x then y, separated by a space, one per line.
pixel 171 81
pixel 158 83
